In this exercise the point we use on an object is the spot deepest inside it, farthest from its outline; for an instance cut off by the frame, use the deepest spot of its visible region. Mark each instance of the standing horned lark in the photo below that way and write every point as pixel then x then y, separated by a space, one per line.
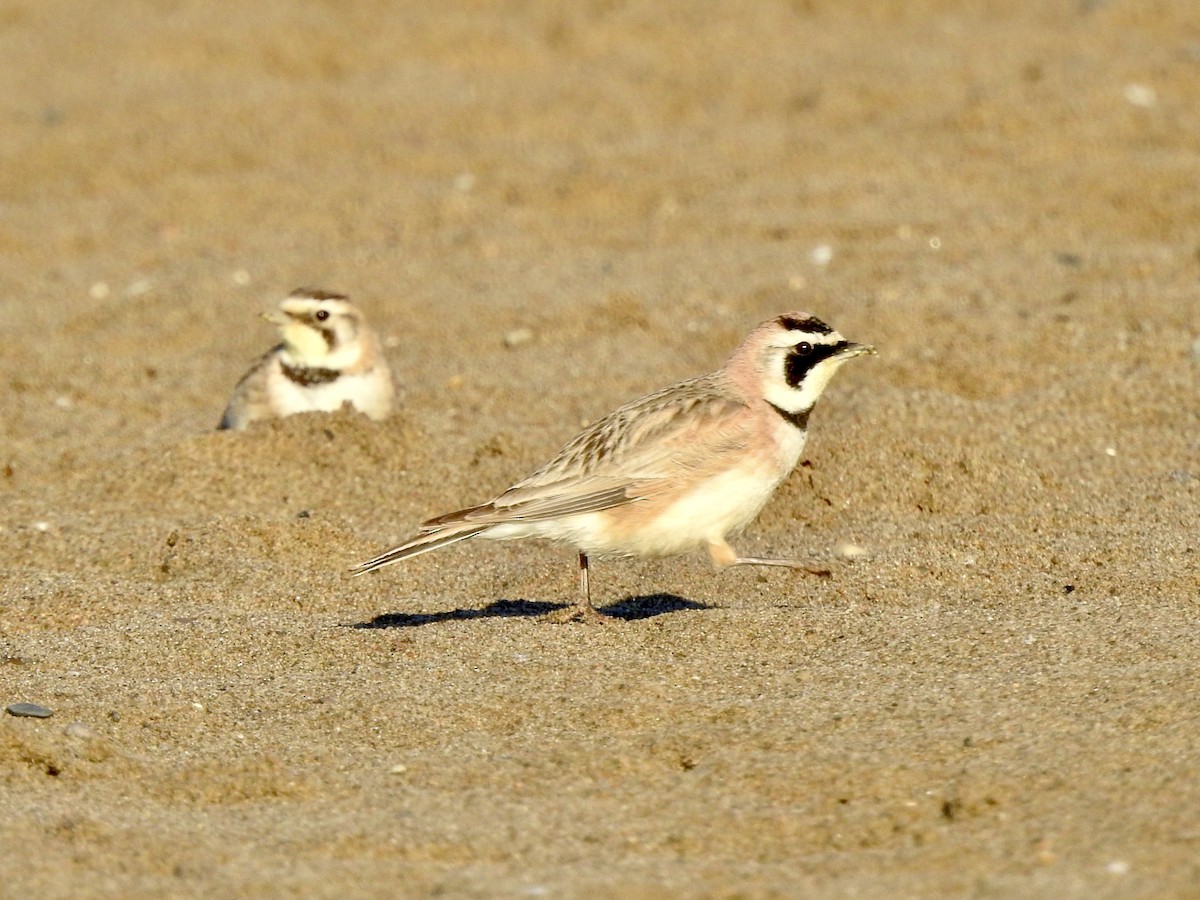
pixel 329 357
pixel 675 471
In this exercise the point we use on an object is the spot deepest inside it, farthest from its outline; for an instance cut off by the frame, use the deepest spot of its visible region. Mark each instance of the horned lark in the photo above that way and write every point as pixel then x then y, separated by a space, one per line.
pixel 678 470
pixel 329 357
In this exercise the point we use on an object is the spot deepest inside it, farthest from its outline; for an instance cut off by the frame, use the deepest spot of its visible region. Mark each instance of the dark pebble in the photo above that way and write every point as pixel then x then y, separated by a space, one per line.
pixel 28 709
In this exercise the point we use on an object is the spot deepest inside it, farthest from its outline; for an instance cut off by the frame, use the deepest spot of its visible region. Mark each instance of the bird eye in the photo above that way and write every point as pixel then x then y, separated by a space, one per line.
pixel 322 315
pixel 804 348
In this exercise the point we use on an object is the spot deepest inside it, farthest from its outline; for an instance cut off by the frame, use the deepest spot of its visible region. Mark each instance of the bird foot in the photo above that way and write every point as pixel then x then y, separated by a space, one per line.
pixel 577 612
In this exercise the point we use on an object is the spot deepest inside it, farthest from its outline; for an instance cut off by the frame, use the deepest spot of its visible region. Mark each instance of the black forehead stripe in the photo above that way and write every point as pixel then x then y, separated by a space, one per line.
pixel 797 365
pixel 317 294
pixel 812 324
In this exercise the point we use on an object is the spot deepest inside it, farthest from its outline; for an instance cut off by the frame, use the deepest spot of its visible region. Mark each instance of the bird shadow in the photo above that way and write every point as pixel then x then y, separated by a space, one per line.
pixel 630 610
pixel 648 606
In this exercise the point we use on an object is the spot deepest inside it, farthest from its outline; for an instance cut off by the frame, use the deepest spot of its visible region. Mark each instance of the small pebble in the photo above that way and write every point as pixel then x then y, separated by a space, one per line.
pixel 1118 867
pixel 398 769
pixel 99 291
pixel 517 337
pixel 1141 95
pixel 1196 350
pixel 822 255
pixel 28 709
pixel 138 287
pixel 241 277
pixel 846 550
pixel 80 731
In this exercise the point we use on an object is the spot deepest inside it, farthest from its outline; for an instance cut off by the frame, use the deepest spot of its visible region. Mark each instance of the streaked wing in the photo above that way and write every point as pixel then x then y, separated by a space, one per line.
pixel 631 454
pixel 259 365
pixel 572 499
pixel 569 498
pixel 249 393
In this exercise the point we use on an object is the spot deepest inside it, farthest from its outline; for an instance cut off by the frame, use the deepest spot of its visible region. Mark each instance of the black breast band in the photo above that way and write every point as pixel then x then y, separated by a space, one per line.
pixel 306 376
pixel 799 419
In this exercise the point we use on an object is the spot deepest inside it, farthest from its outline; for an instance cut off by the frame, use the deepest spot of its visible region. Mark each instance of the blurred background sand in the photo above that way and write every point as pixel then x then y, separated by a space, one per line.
pixel 998 700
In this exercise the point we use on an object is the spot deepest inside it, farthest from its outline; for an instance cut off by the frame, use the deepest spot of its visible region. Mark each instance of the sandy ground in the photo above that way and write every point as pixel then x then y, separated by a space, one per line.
pixel 999 700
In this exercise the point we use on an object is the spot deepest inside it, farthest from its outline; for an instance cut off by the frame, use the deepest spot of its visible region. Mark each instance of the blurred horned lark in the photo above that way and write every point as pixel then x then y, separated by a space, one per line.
pixel 678 470
pixel 329 357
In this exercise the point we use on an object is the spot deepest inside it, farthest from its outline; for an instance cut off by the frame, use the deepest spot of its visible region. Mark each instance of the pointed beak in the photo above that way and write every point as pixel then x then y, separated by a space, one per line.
pixel 275 318
pixel 852 349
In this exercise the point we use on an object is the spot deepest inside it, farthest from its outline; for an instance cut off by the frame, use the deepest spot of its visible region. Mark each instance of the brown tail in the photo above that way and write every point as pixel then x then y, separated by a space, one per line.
pixel 422 543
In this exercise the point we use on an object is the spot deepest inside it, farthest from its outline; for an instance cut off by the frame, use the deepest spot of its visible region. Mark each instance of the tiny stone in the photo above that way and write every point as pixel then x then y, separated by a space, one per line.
pixel 99 291
pixel 822 255
pixel 241 277
pixel 846 550
pixel 79 730
pixel 517 337
pixel 1141 95
pixel 1196 350
pixel 29 709
pixel 398 769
